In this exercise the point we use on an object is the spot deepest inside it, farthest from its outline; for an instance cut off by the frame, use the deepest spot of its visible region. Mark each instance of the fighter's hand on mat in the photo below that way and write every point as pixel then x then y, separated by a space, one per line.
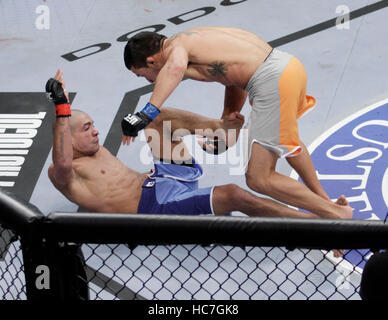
pixel 56 92
pixel 133 123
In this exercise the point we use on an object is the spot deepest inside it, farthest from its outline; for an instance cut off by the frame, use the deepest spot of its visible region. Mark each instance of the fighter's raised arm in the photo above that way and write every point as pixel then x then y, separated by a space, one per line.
pixel 61 171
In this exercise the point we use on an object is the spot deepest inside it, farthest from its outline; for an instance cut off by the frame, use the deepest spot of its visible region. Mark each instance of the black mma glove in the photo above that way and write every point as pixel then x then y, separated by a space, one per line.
pixel 133 123
pixel 219 146
pixel 56 94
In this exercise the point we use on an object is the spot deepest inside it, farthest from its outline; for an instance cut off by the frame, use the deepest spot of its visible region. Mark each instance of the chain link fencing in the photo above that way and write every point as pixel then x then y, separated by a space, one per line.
pixel 182 272
pixel 12 280
pixel 126 257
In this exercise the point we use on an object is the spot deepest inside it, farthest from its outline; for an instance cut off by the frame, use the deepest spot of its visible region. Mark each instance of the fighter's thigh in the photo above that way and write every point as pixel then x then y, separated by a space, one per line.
pixel 293 103
pixel 261 165
pixel 164 146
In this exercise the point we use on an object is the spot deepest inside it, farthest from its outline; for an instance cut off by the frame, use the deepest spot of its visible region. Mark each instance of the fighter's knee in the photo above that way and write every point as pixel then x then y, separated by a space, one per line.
pixel 257 183
pixel 231 193
pixel 233 188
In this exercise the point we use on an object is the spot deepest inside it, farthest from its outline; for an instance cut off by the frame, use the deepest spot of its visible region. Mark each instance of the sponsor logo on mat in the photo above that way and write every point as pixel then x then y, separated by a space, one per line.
pixel 351 158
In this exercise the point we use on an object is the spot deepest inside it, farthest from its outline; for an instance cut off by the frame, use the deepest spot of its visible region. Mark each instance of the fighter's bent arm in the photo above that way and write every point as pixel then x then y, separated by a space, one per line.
pixel 167 80
pixel 234 100
pixel 170 76
pixel 62 151
pixel 61 170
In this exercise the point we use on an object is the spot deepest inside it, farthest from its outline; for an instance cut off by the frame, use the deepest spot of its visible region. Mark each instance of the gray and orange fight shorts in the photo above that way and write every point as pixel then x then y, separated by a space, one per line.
pixel 277 93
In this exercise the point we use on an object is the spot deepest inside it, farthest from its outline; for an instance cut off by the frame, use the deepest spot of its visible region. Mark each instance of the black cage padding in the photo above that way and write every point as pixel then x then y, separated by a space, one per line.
pixel 144 229
pixel 16 213
pixel 55 241
pixel 21 220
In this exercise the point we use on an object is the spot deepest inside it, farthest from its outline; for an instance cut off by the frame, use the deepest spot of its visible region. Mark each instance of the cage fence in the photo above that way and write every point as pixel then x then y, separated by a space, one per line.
pixel 12 280
pixel 218 272
pixel 150 257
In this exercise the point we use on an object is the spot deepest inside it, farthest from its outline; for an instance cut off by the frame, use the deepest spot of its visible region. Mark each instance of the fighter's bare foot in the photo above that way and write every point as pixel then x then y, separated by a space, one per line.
pixel 338 253
pixel 346 211
pixel 342 201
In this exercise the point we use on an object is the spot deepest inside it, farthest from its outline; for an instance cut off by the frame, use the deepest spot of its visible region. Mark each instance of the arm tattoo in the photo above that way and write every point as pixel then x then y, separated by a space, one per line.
pixel 61 138
pixel 61 151
pixel 217 69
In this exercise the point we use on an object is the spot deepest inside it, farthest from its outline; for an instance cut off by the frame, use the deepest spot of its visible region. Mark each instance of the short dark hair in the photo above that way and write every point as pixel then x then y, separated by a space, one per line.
pixel 140 47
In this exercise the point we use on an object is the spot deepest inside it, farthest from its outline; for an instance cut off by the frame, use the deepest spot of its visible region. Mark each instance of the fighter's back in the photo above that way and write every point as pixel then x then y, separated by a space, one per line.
pixel 226 55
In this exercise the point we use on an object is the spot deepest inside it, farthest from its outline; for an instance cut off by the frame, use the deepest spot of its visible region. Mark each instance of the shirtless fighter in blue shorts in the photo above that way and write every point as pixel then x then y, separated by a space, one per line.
pixel 89 175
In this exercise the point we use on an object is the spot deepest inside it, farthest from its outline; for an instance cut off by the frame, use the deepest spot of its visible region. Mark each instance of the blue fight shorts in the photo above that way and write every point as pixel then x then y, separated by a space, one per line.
pixel 173 189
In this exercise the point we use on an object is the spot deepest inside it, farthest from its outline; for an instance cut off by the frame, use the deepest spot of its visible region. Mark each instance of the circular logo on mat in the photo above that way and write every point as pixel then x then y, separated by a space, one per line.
pixel 351 158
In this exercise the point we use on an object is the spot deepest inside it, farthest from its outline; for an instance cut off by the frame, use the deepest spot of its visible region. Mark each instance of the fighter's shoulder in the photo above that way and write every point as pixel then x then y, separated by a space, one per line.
pixel 60 175
pixel 183 39
pixel 61 182
pixel 184 34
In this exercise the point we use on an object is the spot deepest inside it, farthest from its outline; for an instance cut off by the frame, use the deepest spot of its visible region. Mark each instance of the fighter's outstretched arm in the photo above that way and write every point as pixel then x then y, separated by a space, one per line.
pixel 170 76
pixel 62 154
pixel 167 80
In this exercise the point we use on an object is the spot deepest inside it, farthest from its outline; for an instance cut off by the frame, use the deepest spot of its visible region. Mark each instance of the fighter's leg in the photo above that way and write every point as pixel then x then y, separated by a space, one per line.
pixel 193 123
pixel 180 119
pixel 163 144
pixel 228 198
pixel 304 166
pixel 262 177
pixel 165 132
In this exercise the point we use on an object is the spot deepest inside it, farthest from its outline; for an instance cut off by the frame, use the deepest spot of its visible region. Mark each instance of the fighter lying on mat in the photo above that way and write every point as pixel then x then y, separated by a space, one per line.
pixel 90 176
